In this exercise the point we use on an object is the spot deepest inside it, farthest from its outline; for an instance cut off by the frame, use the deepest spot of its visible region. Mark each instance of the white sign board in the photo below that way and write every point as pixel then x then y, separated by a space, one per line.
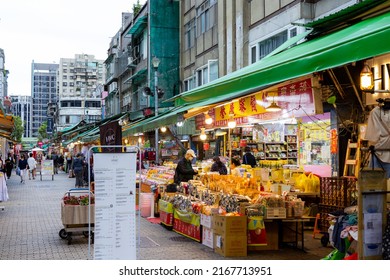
pixel 47 167
pixel 115 212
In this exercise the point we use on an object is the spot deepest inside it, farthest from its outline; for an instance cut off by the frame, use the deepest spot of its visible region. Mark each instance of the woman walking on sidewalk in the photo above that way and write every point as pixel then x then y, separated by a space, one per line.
pixel 23 167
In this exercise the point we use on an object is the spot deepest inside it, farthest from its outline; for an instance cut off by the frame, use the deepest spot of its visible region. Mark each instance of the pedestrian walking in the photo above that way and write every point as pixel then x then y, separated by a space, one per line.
pixel 9 165
pixel 32 167
pixel 23 167
pixel 77 167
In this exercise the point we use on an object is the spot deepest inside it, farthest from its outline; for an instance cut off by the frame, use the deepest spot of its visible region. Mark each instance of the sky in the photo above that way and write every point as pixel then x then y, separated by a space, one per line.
pixel 44 31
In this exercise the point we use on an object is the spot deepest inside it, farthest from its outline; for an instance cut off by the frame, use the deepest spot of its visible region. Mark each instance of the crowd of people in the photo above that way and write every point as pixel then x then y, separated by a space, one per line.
pixel 26 165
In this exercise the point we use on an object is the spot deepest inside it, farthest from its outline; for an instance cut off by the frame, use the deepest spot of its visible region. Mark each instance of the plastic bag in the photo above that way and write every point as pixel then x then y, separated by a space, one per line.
pixel 18 171
pixel 313 183
pixel 301 182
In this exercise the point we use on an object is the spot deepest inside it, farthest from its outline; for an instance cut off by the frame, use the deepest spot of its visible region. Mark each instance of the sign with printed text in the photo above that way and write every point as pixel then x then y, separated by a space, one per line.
pixel 296 99
pixel 47 167
pixel 115 212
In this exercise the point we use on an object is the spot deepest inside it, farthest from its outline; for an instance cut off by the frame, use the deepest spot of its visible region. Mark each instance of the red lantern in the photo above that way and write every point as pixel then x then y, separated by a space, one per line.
pixel 206 146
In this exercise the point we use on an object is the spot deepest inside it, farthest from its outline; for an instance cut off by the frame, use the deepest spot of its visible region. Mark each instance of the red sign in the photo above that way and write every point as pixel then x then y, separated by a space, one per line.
pixel 187 229
pixel 166 218
pixel 333 141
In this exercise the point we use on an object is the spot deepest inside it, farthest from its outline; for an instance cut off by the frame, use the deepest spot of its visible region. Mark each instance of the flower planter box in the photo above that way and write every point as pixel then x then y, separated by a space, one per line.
pixel 76 214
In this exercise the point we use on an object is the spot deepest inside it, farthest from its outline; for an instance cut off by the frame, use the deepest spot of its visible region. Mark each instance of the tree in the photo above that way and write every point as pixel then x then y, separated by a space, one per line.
pixel 18 130
pixel 136 8
pixel 42 133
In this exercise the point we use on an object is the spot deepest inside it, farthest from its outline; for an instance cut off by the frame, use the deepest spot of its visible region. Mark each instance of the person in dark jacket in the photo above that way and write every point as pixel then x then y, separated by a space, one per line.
pixel 218 166
pixel 23 167
pixel 248 158
pixel 77 167
pixel 9 165
pixel 184 170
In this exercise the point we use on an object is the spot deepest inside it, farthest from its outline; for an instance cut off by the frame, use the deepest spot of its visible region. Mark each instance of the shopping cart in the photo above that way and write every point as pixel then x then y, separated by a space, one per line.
pixel 77 215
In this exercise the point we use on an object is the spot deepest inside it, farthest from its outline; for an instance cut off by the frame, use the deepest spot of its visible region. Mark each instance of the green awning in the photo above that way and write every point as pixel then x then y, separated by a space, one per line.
pixel 152 123
pixel 138 25
pixel 164 119
pixel 357 42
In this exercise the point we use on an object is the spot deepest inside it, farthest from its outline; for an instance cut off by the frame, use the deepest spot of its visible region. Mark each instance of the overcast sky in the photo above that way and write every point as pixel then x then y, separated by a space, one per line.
pixel 47 30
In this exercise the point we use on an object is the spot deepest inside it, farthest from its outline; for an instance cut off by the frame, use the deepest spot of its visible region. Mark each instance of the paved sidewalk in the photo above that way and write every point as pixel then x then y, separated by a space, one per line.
pixel 31 221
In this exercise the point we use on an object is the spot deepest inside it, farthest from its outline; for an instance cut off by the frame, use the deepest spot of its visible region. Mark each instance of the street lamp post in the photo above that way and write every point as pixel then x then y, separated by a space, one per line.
pixel 156 62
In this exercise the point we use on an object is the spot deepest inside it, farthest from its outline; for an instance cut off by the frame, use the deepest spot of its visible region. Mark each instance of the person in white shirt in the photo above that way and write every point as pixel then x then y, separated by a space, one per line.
pixel 32 166
pixel 234 167
pixel 378 135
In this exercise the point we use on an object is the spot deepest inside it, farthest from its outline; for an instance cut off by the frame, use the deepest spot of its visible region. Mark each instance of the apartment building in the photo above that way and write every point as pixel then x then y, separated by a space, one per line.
pixel 22 107
pixel 153 32
pixel 43 92
pixel 80 84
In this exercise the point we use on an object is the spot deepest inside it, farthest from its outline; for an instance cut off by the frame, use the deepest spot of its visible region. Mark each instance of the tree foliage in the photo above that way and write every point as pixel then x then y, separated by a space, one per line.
pixel 18 130
pixel 42 131
pixel 136 8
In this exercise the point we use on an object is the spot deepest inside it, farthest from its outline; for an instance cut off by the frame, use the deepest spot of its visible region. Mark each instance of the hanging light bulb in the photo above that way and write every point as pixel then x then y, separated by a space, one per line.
pixel 163 129
pixel 180 124
pixel 203 135
pixel 273 107
pixel 232 122
pixel 366 78
pixel 207 118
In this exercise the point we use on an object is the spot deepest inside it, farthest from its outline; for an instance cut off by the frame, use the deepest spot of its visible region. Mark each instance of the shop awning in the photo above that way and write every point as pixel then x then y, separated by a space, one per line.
pixel 357 42
pixel 6 125
pixel 138 25
pixel 167 118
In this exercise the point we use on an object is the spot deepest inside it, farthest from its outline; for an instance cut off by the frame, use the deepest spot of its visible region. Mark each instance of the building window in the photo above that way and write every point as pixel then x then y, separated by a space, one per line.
pixel 189 83
pixel 205 16
pixel 253 54
pixel 270 44
pixel 189 34
pixel 207 73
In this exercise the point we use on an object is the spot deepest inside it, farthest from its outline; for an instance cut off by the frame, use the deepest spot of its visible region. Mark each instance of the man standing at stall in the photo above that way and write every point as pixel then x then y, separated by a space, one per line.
pixel 184 170
pixel 248 158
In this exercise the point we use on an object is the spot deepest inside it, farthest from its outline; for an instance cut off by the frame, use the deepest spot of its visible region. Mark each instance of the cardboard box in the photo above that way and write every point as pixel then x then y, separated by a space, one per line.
pixel 230 225
pixel 207 237
pixel 230 246
pixel 76 214
pixel 206 221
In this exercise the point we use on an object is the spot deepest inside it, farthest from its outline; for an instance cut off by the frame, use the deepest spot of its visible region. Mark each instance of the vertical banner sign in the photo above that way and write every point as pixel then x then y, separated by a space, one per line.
pixel 111 135
pixel 115 213
pixel 50 125
pixel 333 141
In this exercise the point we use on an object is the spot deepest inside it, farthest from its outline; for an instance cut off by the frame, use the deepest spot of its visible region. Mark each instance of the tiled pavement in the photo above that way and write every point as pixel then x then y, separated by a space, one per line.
pixel 31 221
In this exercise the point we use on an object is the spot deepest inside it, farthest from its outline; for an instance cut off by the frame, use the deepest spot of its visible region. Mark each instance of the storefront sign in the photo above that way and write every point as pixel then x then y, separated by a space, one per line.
pixel 295 99
pixel 111 135
pixel 380 67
